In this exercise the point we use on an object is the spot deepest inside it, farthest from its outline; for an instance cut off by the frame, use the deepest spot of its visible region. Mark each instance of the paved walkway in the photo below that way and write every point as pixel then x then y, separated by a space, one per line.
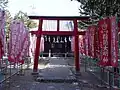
pixel 57 74
pixel 57 69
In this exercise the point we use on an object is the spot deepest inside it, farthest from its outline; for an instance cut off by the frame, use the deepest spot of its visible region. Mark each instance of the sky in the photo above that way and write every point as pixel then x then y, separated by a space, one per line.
pixel 45 7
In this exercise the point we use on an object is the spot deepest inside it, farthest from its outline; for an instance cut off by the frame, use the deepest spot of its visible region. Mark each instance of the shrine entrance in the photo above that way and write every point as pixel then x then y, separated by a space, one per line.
pixel 42 31
pixel 56 45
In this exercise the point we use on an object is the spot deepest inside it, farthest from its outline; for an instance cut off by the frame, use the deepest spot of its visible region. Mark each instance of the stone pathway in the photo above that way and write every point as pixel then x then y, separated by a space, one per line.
pixel 56 75
pixel 56 69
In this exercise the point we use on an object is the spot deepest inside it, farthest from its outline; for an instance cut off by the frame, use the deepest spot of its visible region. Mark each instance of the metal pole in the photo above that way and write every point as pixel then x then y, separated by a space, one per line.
pixel 119 78
pixel 110 84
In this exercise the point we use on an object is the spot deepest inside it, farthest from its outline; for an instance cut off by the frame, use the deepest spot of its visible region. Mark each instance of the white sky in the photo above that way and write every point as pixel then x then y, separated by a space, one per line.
pixel 45 7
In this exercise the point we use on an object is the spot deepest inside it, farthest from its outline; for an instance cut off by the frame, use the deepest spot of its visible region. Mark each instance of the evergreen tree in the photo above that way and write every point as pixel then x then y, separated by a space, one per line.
pixel 97 9
pixel 100 8
pixel 3 3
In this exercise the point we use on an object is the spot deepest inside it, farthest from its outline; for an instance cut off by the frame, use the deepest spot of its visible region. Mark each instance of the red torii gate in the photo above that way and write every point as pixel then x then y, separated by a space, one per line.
pixel 74 33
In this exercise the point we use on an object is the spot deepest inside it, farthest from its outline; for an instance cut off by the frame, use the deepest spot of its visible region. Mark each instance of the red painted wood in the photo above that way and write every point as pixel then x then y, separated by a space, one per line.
pixel 58 33
pixel 37 51
pixel 70 33
pixel 81 32
pixel 60 17
pixel 33 32
pixel 58 25
pixel 76 51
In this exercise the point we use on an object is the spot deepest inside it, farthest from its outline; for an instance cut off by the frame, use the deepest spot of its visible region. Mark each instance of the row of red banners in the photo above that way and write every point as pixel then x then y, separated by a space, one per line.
pixel 101 42
pixel 2 33
pixel 19 42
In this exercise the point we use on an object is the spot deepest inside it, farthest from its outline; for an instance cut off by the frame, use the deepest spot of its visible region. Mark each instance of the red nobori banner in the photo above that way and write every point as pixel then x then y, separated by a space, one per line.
pixel 19 42
pixel 2 33
pixel 104 38
pixel 24 49
pixel 108 40
pixel 81 46
pixel 84 51
pixel 96 44
pixel 118 26
pixel 91 30
pixel 14 32
pixel 114 42
pixel 86 42
pixel 33 40
pixel 1 49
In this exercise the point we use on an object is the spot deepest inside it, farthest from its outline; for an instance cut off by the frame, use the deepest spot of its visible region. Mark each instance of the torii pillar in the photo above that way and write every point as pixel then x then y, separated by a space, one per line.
pixel 37 49
pixel 76 44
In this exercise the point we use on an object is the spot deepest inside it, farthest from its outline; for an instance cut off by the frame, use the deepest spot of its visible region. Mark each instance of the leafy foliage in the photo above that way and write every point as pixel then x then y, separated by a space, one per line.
pixel 3 3
pixel 8 18
pixel 21 16
pixel 24 18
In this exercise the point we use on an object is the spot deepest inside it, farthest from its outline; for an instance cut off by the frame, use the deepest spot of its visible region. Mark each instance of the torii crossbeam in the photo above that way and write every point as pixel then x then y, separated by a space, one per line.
pixel 74 33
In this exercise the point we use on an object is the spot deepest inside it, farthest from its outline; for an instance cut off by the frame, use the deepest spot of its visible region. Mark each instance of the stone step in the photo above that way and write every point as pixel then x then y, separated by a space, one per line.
pixel 43 80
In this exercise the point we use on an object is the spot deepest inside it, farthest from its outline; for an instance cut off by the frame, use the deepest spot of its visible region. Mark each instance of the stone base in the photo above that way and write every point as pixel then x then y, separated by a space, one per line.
pixel 35 73
pixel 21 74
pixel 78 73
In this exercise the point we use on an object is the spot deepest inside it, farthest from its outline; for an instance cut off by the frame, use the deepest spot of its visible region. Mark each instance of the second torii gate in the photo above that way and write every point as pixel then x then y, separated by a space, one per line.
pixel 74 33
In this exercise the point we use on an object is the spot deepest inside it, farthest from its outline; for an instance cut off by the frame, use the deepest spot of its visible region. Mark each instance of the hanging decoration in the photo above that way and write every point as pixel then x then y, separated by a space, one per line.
pixel 42 44
pixel 61 40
